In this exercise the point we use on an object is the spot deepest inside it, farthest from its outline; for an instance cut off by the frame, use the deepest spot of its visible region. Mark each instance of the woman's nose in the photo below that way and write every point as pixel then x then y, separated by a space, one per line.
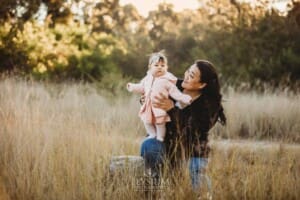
pixel 186 76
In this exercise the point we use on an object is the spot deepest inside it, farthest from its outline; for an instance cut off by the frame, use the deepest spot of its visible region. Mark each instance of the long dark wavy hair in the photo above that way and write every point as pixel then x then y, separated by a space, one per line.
pixel 209 76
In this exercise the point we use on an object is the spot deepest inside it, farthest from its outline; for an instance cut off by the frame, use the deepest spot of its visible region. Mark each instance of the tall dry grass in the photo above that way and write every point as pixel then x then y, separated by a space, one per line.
pixel 56 142
pixel 271 116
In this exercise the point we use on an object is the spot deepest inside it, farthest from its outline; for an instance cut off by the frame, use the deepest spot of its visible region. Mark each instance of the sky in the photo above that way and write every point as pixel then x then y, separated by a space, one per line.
pixel 144 6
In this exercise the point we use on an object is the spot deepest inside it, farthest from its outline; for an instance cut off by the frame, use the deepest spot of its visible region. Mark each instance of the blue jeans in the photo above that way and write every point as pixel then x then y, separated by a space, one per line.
pixel 197 173
pixel 153 151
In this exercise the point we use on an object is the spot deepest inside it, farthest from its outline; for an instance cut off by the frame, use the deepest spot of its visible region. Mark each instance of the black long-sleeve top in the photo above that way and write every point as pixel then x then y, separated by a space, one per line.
pixel 187 133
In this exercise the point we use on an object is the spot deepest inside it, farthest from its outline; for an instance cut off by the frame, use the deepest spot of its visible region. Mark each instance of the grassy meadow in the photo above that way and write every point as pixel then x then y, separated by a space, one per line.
pixel 57 140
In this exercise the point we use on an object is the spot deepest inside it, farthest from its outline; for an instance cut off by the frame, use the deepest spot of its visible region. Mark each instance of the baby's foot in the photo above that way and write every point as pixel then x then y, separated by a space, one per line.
pixel 150 136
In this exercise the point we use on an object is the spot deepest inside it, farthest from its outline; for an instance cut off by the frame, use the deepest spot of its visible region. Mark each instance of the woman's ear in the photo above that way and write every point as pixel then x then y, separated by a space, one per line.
pixel 202 85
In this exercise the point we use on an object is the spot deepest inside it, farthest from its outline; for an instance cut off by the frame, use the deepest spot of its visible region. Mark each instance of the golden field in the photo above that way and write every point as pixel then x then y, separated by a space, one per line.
pixel 57 140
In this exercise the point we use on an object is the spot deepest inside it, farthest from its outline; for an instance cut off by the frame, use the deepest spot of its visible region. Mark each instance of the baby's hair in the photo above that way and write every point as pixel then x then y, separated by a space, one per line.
pixel 158 56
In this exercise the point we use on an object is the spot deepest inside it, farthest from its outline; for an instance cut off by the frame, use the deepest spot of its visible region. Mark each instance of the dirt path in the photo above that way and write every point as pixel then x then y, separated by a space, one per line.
pixel 252 145
pixel 247 144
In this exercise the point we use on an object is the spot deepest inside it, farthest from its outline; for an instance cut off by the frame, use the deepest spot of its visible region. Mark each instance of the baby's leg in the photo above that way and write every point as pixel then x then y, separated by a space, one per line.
pixel 150 128
pixel 161 131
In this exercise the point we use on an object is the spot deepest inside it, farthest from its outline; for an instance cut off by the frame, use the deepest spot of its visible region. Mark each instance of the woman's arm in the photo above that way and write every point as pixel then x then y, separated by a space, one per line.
pixel 162 101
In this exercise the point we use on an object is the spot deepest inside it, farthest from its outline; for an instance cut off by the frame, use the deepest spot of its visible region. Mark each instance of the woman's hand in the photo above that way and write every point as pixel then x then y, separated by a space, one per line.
pixel 142 99
pixel 162 101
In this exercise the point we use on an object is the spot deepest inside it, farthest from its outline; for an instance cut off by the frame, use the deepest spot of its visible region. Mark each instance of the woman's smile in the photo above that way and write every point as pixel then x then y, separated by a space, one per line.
pixel 191 79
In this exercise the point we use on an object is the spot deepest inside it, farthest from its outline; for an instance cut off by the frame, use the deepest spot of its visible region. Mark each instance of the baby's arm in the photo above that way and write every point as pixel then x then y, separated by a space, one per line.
pixel 179 96
pixel 135 87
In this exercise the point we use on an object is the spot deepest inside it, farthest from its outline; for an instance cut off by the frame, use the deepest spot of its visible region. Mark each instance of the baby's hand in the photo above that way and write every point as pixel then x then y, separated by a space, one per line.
pixel 128 87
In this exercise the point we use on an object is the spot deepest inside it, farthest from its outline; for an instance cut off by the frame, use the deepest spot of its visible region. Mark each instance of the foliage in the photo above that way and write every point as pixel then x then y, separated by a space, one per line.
pixel 263 45
pixel 62 52
pixel 246 44
pixel 18 10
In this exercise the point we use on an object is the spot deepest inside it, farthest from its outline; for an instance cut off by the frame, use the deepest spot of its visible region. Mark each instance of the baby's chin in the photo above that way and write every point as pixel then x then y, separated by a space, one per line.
pixel 158 74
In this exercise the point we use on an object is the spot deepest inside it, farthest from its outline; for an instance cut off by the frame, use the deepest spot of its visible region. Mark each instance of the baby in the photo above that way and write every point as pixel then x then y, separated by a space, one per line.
pixel 157 80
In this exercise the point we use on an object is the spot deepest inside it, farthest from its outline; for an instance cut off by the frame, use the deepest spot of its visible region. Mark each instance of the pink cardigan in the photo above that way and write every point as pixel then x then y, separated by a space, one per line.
pixel 151 86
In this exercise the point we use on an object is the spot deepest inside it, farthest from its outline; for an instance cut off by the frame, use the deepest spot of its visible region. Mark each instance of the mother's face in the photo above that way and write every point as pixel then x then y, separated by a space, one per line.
pixel 192 79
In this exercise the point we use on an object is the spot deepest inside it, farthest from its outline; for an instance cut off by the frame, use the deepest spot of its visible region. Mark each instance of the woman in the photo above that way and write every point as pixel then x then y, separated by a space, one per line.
pixel 187 133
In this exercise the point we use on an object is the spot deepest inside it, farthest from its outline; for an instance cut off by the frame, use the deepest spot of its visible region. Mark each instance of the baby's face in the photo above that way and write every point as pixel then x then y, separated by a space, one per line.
pixel 158 69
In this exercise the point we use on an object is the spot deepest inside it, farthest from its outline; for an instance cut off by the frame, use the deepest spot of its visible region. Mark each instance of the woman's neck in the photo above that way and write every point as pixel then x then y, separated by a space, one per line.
pixel 193 93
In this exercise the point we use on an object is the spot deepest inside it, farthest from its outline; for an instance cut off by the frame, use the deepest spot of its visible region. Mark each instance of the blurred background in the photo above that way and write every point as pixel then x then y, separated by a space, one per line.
pixel 64 111
pixel 251 43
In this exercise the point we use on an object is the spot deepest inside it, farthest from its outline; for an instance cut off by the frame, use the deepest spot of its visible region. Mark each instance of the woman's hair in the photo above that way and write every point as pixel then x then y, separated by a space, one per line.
pixel 156 57
pixel 209 76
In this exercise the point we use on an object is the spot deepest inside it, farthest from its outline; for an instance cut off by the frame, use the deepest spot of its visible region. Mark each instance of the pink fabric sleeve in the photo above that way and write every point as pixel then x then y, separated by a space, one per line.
pixel 179 96
pixel 136 87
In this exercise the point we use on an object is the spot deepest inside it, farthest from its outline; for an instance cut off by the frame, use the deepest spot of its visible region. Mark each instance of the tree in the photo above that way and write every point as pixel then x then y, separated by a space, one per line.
pixel 16 10
pixel 58 11
pixel 161 21
pixel 102 18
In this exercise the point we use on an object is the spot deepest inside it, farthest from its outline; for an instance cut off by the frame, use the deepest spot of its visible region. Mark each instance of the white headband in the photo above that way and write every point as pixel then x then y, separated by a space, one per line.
pixel 155 58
